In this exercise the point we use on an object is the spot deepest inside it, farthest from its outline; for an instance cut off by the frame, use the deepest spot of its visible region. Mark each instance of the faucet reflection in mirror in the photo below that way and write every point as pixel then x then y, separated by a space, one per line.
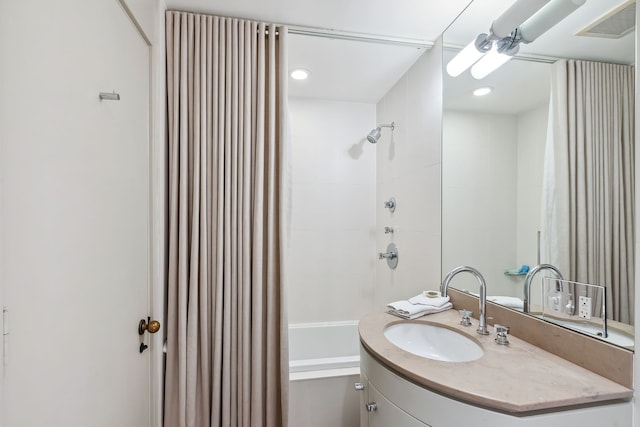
pixel 529 278
pixel 482 301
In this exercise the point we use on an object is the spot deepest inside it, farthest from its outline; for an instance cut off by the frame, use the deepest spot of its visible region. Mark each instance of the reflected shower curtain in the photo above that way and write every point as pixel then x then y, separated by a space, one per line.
pixel 226 361
pixel 589 195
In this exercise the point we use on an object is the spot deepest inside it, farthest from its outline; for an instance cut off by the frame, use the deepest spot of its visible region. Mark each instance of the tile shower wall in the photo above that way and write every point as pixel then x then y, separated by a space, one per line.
pixel 408 168
pixel 480 198
pixel 332 243
pixel 532 135
pixel 496 208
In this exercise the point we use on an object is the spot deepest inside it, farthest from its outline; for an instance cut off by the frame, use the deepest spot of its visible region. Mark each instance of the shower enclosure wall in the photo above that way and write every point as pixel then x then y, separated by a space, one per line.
pixel 340 184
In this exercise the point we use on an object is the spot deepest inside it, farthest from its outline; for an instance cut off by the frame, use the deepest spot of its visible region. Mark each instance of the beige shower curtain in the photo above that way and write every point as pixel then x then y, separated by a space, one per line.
pixel 588 207
pixel 226 361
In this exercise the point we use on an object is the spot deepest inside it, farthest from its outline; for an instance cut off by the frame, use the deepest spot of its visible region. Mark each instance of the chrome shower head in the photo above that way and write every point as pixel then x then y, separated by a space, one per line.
pixel 375 134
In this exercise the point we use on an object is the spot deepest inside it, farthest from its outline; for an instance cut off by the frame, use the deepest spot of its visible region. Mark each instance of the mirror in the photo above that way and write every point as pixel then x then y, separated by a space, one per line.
pixel 493 148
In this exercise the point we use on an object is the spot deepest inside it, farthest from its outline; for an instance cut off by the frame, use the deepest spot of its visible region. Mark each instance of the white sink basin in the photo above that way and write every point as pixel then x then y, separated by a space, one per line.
pixel 433 342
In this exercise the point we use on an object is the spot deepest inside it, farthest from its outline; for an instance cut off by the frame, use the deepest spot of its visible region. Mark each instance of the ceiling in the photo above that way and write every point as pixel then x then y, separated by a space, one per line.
pixel 344 70
pixel 364 72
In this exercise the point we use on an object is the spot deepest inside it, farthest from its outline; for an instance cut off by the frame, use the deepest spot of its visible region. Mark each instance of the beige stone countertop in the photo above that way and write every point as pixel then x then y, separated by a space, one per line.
pixel 516 378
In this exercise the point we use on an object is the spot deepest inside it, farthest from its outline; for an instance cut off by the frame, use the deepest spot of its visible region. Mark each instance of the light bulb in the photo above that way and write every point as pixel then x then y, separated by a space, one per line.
pixel 482 91
pixel 300 74
pixel 488 64
pixel 468 56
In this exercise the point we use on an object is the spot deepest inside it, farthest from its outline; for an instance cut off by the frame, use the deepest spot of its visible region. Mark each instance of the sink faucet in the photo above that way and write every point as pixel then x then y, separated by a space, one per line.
pixel 482 319
pixel 529 278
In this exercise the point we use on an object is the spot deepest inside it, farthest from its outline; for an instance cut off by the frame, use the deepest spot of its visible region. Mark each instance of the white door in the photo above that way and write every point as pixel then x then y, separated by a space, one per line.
pixel 74 214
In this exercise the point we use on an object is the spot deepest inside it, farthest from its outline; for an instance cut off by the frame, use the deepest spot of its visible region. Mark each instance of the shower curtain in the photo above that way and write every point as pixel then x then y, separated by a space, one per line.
pixel 589 195
pixel 226 361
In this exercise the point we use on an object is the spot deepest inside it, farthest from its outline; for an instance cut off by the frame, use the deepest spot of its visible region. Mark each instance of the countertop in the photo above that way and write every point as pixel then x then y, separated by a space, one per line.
pixel 517 378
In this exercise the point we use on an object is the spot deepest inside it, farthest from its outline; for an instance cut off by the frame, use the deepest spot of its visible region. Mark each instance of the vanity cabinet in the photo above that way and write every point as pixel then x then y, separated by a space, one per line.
pixel 378 411
pixel 402 403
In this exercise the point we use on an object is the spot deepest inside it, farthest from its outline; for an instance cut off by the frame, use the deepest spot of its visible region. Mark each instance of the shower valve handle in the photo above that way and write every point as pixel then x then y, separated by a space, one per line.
pixel 387 255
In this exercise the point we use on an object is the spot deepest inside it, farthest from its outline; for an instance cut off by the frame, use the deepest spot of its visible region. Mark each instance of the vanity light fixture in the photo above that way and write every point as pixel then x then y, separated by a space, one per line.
pixel 482 91
pixel 300 74
pixel 506 48
pixel 519 12
pixel 521 23
pixel 500 54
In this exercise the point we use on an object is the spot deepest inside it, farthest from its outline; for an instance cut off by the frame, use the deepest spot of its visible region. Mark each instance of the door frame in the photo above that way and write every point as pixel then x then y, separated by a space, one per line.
pixel 157 200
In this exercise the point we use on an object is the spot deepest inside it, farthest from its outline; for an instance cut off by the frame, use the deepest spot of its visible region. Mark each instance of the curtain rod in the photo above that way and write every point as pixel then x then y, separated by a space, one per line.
pixel 340 35
pixel 361 37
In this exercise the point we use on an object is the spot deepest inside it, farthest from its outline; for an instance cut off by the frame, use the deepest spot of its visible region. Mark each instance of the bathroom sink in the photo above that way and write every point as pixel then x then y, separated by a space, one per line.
pixel 433 342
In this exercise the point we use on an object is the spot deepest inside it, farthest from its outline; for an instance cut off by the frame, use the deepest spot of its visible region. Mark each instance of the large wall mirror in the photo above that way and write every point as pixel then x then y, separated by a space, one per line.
pixel 498 158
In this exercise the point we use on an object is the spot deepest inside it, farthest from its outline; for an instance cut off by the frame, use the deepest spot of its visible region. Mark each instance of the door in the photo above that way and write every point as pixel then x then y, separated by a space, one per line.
pixel 74 214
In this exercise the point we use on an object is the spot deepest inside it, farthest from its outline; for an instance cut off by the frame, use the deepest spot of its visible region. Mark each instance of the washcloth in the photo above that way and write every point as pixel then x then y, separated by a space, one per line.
pixel 425 309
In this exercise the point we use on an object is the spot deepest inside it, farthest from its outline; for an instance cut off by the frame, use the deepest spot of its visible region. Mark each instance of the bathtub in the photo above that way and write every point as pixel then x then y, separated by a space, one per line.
pixel 323 349
pixel 324 364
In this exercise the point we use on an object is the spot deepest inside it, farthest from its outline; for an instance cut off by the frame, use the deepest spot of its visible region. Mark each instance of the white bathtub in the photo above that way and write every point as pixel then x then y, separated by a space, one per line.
pixel 323 349
pixel 324 363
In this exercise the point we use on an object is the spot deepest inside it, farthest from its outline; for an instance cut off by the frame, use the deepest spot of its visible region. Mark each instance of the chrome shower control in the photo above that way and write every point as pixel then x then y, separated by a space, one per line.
pixel 391 256
pixel 372 406
pixel 390 204
pixel 359 386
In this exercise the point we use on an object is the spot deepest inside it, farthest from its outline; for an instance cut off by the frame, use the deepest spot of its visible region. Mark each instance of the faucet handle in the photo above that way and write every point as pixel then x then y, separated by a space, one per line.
pixel 501 334
pixel 465 317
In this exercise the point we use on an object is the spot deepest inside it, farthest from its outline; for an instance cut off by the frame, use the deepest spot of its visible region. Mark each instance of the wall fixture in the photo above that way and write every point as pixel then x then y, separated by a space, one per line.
pixel 375 134
pixel 523 22
pixel 391 256
pixel 390 204
pixel 109 96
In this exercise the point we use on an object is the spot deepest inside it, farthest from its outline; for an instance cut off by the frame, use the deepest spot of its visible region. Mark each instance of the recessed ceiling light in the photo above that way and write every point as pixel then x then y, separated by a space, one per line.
pixel 300 74
pixel 482 91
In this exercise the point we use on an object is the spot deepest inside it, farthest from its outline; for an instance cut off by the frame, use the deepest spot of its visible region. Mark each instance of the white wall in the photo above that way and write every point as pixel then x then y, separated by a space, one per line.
pixel 333 211
pixel 479 198
pixel 532 135
pixel 492 183
pixel 408 168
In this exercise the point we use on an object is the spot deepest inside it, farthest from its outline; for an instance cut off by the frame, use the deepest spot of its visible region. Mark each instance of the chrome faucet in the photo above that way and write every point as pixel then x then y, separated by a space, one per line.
pixel 482 319
pixel 529 278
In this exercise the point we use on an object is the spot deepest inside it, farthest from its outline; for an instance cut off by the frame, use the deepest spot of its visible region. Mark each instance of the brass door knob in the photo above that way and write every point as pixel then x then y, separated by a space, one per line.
pixel 151 326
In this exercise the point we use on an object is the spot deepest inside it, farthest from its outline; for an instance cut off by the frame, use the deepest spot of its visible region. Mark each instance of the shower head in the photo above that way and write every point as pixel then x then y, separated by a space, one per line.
pixel 375 134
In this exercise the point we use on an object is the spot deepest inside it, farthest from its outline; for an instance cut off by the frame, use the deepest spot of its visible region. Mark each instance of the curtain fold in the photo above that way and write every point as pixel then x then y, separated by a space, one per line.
pixel 588 205
pixel 227 355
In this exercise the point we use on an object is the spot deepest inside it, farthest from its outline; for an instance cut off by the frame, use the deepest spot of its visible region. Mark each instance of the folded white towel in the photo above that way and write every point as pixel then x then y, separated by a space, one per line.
pixel 507 301
pixel 425 310
pixel 425 300
pixel 511 302
pixel 405 307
